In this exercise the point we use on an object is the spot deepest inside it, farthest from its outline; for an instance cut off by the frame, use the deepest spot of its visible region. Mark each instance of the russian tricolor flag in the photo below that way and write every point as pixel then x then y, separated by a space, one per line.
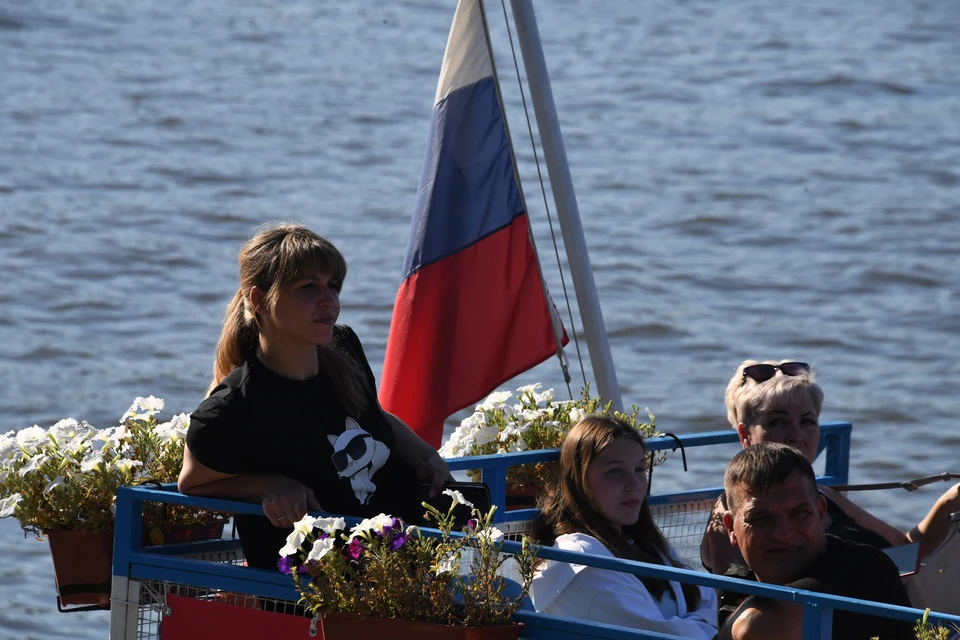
pixel 472 311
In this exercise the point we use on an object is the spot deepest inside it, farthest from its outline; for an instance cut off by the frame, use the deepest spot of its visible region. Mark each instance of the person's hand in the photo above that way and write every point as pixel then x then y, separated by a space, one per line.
pixel 435 471
pixel 287 501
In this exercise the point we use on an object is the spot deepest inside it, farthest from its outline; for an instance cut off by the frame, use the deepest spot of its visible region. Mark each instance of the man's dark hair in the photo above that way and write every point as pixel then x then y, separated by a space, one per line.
pixel 763 466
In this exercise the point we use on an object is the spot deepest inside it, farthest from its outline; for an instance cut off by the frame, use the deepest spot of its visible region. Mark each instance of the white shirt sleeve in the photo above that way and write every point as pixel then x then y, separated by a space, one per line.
pixel 618 598
pixel 612 597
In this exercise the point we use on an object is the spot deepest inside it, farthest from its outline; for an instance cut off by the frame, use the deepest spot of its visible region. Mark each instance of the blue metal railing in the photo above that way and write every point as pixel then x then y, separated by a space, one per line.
pixel 161 563
pixel 834 441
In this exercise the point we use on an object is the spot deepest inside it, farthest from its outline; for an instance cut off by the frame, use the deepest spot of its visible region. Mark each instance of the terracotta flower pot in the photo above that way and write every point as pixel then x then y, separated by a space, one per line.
pixel 82 563
pixel 347 626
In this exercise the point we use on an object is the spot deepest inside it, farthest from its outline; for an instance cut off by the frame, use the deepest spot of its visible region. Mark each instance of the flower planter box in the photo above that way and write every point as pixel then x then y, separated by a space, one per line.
pixel 82 562
pixel 178 533
pixel 347 626
pixel 521 498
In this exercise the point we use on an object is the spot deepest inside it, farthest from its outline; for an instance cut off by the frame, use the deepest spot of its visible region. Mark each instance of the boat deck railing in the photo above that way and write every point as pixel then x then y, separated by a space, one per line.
pixel 143 577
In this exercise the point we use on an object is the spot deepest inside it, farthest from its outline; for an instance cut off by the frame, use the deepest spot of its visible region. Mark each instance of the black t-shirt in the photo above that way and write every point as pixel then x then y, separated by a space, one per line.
pixel 845 527
pixel 256 421
pixel 854 570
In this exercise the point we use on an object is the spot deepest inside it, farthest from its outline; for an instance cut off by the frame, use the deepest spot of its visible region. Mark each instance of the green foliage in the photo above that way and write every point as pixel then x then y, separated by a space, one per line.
pixel 927 631
pixel 535 421
pixel 65 478
pixel 385 570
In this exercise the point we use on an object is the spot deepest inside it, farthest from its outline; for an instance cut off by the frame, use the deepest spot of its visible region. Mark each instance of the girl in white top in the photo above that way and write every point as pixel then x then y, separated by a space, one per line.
pixel 599 506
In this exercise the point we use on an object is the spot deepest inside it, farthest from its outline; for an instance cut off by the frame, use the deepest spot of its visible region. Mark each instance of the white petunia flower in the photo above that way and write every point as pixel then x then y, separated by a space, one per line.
pixel 320 549
pixel 517 445
pixel 56 482
pixel 9 505
pixel 456 495
pixel 491 534
pixel 8 445
pixel 66 428
pixel 301 529
pixel 330 525
pixel 544 397
pixel 449 450
pixel 30 437
pixel 92 461
pixel 448 565
pixel 507 410
pixel 112 438
pixel 33 464
pixel 529 415
pixel 174 430
pixel 123 465
pixel 375 524
pixel 577 414
pixel 181 422
pixel 364 525
pixel 456 442
pixel 530 388
pixel 78 443
pixel 495 400
pixel 143 407
pixel 475 421
pixel 486 435
pixel 513 430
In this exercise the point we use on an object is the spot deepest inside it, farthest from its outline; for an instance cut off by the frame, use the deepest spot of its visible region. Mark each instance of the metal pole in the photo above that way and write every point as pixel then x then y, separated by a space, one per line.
pixel 566 202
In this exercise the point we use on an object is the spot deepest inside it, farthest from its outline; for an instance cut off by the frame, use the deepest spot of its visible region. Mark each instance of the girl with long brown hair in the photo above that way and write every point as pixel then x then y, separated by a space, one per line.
pixel 292 419
pixel 598 505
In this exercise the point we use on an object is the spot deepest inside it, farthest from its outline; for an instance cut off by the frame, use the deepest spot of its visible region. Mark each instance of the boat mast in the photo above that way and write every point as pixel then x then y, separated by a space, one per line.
pixel 565 199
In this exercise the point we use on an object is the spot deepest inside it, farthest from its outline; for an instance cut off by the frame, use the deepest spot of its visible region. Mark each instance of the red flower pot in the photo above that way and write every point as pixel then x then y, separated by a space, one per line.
pixel 82 563
pixel 347 626
pixel 521 498
pixel 177 533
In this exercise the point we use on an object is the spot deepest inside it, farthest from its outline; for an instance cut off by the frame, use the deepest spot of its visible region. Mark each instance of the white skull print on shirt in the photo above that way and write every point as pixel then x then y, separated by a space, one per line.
pixel 357 455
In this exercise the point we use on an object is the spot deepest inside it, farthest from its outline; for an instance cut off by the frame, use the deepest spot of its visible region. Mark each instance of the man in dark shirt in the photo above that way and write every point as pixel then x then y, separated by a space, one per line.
pixel 776 519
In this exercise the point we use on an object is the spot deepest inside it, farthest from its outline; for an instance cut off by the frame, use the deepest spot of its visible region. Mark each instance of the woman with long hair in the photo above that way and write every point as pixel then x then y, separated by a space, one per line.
pixel 598 505
pixel 292 419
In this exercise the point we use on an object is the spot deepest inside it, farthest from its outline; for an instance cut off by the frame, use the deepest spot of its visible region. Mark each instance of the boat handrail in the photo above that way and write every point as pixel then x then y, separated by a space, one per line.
pixel 133 562
pixel 168 564
pixel 834 444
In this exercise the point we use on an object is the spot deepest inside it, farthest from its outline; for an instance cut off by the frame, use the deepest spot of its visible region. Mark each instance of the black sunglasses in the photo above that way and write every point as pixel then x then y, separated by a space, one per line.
pixel 763 372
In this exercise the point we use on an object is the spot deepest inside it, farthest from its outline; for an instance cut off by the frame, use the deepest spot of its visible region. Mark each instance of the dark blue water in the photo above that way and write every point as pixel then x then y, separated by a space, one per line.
pixel 755 180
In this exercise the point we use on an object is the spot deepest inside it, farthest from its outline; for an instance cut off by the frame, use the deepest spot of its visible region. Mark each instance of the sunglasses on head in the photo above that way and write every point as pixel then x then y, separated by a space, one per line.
pixel 763 372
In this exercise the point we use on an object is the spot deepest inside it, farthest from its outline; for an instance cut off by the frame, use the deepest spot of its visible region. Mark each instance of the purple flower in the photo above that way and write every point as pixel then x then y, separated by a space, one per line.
pixel 394 524
pixel 397 540
pixel 355 549
pixel 286 564
pixel 472 524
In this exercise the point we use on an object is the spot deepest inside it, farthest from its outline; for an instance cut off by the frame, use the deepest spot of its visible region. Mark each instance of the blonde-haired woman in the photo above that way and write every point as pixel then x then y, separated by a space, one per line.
pixel 780 402
pixel 292 419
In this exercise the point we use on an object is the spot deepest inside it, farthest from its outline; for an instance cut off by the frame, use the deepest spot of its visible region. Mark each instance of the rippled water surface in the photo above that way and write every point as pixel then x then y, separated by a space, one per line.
pixel 755 180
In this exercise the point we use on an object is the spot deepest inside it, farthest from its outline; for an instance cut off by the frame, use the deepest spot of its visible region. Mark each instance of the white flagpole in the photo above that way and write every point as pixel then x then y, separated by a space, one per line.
pixel 568 213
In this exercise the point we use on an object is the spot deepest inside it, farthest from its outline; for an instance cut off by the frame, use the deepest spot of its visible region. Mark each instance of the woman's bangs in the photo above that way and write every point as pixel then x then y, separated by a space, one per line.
pixel 300 260
pixel 784 388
